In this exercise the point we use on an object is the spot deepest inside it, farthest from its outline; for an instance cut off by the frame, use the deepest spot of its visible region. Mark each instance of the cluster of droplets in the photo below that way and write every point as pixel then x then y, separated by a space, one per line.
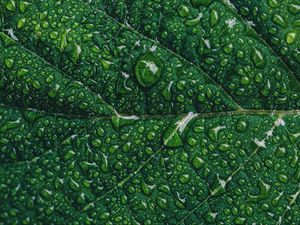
pixel 130 170
pixel 29 82
pixel 60 35
pixel 212 36
pixel 279 24
pixel 26 135
pixel 137 170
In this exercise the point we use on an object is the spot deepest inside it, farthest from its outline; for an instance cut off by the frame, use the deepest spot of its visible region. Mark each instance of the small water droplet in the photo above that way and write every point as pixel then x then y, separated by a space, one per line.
pixel 214 17
pixel 257 58
pixel 198 163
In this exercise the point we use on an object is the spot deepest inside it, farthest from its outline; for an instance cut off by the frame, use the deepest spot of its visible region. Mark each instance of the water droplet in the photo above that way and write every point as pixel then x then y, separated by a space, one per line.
pixel 183 11
pixel 54 35
pixel 22 72
pixel 294 161
pixel 239 220
pixel 259 78
pixel 69 154
pixel 45 25
pixel 172 135
pixel 192 141
pixel 228 49
pixel 23 5
pixel 224 147
pixel 147 189
pixel 162 203
pixel 9 62
pixel 74 185
pixel 104 164
pixel 148 70
pixel 21 23
pixel 257 58
pixel 104 216
pixel 214 17
pixel 46 193
pixel 11 5
pixel 290 37
pixel 195 21
pixel 126 147
pixel 184 178
pixel 96 142
pixel 279 20
pixel 294 8
pixel 245 80
pixel 63 40
pixel 172 138
pixel 75 53
pixel 198 163
pixel 280 152
pixel 273 3
pixel 264 191
pixel 241 126
pixel 282 178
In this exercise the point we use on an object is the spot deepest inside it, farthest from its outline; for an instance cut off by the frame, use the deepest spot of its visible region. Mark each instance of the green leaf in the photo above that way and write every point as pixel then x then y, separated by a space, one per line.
pixel 149 112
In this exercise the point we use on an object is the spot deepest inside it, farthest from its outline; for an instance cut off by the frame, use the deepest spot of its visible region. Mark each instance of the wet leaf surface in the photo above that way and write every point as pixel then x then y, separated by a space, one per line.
pixel 149 112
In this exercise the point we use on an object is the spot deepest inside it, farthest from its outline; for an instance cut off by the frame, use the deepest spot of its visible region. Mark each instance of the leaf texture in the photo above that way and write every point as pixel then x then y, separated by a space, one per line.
pixel 149 112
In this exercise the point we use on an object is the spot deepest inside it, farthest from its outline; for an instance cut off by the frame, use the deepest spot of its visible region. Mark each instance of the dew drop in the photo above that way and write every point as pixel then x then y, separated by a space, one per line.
pixel 257 58
pixel 11 5
pixel 198 163
pixel 184 178
pixel 148 69
pixel 21 23
pixel 9 62
pixel 172 138
pixel 294 8
pixel 279 20
pixel 282 178
pixel 214 17
pixel 183 11
pixel 241 126
pixel 22 72
pixel 162 203
pixel 273 3
pixel 23 5
pixel 290 37
pixel 264 191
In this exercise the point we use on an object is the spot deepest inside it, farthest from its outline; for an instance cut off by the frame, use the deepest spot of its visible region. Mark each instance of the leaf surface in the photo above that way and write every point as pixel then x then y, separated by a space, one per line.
pixel 149 112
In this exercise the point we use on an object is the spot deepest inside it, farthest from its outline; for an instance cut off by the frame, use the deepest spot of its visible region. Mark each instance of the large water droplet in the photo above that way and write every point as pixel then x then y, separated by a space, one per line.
pixel 294 8
pixel 172 138
pixel 291 37
pixel 9 62
pixel 264 191
pixel 11 5
pixel 198 163
pixel 148 69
